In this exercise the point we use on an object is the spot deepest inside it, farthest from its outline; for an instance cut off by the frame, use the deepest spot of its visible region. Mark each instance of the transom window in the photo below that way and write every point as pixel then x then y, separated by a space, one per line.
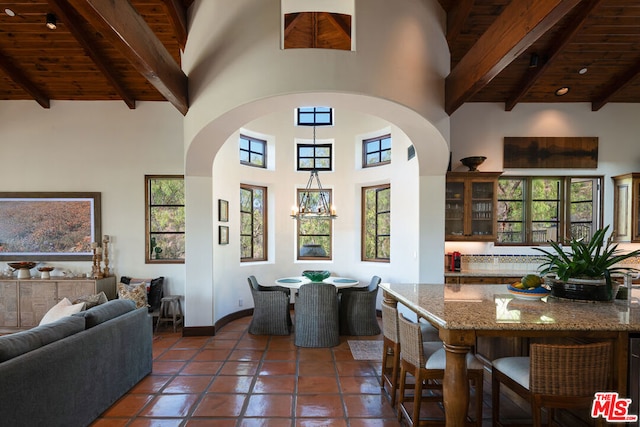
pixel 376 223
pixel 314 157
pixel 376 151
pixel 253 151
pixel 165 219
pixel 314 233
pixel 314 116
pixel 534 210
pixel 253 223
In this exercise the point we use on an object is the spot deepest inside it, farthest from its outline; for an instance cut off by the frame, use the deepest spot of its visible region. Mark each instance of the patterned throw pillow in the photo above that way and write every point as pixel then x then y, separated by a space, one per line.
pixel 91 300
pixel 137 292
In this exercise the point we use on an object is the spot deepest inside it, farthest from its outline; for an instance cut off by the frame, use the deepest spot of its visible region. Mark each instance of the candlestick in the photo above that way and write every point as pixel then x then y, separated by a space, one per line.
pixel 105 243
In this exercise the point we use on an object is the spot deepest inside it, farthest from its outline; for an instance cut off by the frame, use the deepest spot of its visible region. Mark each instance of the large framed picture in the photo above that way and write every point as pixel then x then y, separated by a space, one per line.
pixel 49 226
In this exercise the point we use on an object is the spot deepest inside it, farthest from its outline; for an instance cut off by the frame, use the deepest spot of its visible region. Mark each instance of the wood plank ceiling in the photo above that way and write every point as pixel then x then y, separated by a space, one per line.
pixel 130 50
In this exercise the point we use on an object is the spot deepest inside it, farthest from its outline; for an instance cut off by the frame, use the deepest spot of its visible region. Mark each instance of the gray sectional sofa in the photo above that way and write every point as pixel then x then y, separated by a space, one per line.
pixel 68 372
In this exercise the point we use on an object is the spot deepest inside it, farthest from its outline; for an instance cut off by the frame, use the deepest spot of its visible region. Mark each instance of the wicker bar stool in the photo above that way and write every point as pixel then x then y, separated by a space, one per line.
pixel 554 376
pixel 426 369
pixel 391 348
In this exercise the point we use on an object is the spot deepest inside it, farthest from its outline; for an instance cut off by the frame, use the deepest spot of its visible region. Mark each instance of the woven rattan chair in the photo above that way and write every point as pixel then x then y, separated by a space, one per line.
pixel 271 314
pixel 391 348
pixel 316 316
pixel 254 283
pixel 554 376
pixel 426 368
pixel 358 309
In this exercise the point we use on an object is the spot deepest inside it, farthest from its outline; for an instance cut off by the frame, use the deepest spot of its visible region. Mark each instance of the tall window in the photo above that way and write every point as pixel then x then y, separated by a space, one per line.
pixel 314 116
pixel 376 223
pixel 253 223
pixel 376 151
pixel 253 151
pixel 314 234
pixel 314 157
pixel 534 210
pixel 165 221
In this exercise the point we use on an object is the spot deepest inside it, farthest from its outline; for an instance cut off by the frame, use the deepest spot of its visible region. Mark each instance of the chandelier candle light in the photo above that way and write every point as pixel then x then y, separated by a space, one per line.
pixel 312 206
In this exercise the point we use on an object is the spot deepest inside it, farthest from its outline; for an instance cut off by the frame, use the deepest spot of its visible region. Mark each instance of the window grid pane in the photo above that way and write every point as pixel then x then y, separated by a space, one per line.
pixel 253 223
pixel 316 157
pixel 315 231
pixel 315 116
pixel 376 223
pixel 252 152
pixel 376 151
pixel 165 219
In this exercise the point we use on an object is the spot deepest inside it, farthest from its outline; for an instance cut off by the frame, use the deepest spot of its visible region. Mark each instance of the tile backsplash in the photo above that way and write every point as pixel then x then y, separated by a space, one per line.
pixel 519 263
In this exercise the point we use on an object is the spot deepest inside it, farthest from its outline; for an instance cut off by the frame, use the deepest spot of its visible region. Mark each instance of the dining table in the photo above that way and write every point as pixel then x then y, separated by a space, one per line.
pixel 294 282
pixel 462 313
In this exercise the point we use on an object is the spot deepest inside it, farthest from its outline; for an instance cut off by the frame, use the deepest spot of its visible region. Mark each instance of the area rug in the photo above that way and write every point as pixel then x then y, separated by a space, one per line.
pixel 366 349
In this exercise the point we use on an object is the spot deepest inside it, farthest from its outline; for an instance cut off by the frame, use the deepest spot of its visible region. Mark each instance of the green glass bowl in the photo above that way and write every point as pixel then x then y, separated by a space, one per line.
pixel 316 275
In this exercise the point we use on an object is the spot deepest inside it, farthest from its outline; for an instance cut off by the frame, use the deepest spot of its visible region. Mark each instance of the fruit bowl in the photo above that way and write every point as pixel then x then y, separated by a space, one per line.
pixel 473 162
pixel 316 275
pixel 22 264
pixel 529 294
pixel 46 268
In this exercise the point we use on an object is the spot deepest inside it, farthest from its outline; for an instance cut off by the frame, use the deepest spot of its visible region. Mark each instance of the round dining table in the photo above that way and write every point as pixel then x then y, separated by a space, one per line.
pixel 295 282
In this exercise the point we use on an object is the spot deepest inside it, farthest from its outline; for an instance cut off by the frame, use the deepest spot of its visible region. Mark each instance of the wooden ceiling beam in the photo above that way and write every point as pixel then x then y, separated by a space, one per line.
pixel 456 17
pixel 519 25
pixel 338 22
pixel 559 44
pixel 122 25
pixel 73 22
pixel 20 78
pixel 615 85
pixel 178 16
pixel 291 25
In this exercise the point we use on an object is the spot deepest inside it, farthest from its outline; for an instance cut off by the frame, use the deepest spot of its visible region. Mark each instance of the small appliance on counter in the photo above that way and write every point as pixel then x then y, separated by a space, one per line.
pixel 454 260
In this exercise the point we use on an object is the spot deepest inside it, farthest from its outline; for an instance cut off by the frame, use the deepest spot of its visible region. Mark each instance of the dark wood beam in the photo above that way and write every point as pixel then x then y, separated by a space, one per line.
pixel 616 85
pixel 519 25
pixel 456 17
pixel 336 19
pixel 178 15
pixel 293 19
pixel 20 78
pixel 74 23
pixel 559 44
pixel 122 25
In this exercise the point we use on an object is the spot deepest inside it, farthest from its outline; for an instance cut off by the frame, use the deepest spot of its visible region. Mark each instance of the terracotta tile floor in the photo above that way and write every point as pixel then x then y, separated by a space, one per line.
pixel 238 379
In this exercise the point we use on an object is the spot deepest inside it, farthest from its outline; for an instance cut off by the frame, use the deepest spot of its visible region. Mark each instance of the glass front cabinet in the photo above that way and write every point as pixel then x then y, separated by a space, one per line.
pixel 470 203
pixel 626 205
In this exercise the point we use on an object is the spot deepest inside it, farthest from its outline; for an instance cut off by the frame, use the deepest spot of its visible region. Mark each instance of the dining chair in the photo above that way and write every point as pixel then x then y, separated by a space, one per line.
pixel 428 372
pixel 256 285
pixel 271 315
pixel 358 309
pixel 553 376
pixel 391 348
pixel 316 316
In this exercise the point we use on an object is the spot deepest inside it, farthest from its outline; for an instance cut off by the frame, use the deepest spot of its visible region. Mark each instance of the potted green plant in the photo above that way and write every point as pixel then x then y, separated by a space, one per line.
pixel 583 270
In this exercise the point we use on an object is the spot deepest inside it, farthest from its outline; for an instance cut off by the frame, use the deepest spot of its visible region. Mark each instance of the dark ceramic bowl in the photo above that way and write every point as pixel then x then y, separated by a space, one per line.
pixel 473 162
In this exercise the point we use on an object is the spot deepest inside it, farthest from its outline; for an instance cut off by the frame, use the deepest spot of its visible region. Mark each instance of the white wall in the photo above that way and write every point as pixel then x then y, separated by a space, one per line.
pixel 480 128
pixel 96 146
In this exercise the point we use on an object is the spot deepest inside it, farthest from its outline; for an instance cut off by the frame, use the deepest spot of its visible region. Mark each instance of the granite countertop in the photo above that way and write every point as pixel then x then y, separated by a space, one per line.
pixel 492 307
pixel 486 273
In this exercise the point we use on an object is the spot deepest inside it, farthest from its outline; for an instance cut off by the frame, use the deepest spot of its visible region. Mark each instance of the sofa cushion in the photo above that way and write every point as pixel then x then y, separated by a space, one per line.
pixel 14 345
pixel 103 312
pixel 60 310
pixel 91 300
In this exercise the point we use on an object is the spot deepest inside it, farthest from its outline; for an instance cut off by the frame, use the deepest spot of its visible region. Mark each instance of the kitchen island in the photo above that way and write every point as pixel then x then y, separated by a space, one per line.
pixel 462 313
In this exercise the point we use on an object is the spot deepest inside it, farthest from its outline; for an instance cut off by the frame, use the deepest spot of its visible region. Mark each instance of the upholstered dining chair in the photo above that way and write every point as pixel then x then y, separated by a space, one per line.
pixel 358 309
pixel 391 348
pixel 316 316
pixel 426 366
pixel 271 315
pixel 553 376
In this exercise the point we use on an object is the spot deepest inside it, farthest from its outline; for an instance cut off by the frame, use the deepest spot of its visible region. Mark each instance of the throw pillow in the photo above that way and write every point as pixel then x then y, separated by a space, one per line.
pixel 137 292
pixel 60 310
pixel 91 300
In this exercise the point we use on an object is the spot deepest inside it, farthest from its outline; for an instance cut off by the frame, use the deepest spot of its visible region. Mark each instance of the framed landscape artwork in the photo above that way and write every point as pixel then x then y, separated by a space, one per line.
pixel 48 226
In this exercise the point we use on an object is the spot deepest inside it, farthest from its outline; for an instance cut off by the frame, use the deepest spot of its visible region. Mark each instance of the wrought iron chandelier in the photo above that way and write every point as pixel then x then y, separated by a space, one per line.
pixel 313 202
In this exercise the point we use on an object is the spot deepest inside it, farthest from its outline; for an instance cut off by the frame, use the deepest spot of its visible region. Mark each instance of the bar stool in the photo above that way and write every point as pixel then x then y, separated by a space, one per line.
pixel 170 311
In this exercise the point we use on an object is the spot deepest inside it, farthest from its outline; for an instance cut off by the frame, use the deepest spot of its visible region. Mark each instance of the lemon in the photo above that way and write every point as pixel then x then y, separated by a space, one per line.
pixel 518 285
pixel 531 281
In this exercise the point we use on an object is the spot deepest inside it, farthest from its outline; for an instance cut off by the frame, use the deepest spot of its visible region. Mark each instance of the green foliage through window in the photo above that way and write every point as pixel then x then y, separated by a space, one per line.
pixel 534 210
pixel 165 224
pixel 253 223
pixel 314 157
pixel 315 231
pixel 376 223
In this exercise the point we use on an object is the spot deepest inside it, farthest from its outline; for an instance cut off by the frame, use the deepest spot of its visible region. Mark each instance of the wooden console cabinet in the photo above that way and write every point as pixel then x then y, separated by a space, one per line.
pixel 24 302
pixel 626 206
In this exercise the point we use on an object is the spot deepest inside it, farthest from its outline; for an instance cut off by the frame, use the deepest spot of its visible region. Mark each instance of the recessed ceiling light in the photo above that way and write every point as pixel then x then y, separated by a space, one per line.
pixel 562 91
pixel 582 70
pixel 9 12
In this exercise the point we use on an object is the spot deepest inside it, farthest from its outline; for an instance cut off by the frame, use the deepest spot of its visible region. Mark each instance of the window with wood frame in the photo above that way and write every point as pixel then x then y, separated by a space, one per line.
pixel 376 223
pixel 165 219
pixel 314 233
pixel 253 223
pixel 532 210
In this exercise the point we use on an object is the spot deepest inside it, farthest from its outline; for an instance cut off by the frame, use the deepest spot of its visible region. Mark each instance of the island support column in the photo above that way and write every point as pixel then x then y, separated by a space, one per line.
pixel 455 386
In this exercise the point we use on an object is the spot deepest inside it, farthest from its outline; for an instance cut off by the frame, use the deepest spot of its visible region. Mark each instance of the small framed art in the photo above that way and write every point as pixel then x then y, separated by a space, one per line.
pixel 223 235
pixel 223 210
